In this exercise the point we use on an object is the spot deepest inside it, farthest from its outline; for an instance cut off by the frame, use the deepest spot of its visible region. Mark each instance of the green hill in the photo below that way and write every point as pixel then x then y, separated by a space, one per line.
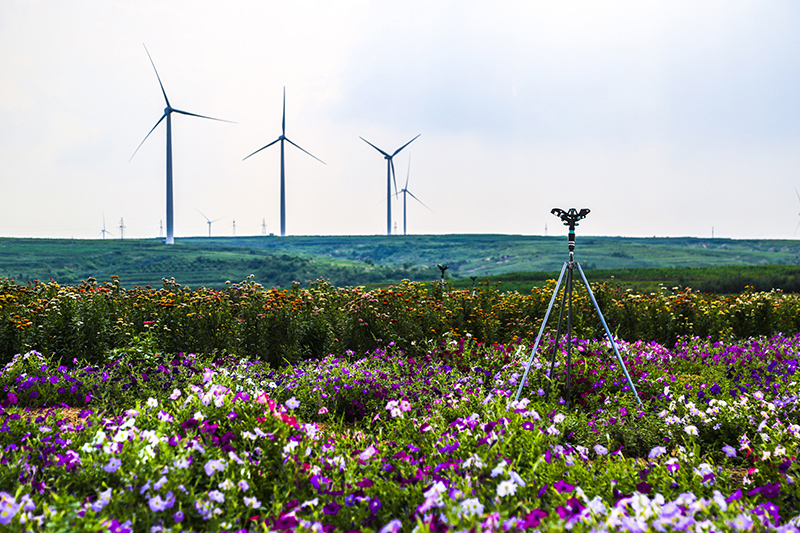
pixel 366 260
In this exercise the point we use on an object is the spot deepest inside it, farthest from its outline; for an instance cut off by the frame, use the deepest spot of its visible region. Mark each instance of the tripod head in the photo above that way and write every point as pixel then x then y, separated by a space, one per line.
pixel 570 218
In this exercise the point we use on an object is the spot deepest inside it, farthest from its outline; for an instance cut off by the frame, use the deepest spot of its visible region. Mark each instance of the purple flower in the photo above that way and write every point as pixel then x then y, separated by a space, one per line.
pixel 8 508
pixel 562 486
pixel 656 452
pixel 374 505
pixel 332 508
pixel 156 503
pixel 115 527
pixel 113 465
pixel 600 449
pixel 365 483
pixel 178 517
pixel 742 522
pixel 730 451
pixel 214 465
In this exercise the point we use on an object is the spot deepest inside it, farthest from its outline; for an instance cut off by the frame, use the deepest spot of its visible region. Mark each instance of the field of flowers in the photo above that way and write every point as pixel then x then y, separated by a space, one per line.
pixel 392 440
pixel 279 326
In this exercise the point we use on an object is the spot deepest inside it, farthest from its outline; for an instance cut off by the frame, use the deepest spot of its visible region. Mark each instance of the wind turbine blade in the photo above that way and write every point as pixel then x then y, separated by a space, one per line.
pixel 306 151
pixel 283 123
pixel 408 174
pixel 202 116
pixel 394 179
pixel 146 136
pixel 157 76
pixel 263 147
pixel 797 192
pixel 378 149
pixel 420 201
pixel 406 144
pixel 205 217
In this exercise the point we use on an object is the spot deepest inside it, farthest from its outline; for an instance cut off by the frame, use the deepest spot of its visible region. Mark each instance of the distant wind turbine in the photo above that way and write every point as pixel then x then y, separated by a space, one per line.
pixel 168 115
pixel 405 192
pixel 104 230
pixel 207 220
pixel 389 179
pixel 282 138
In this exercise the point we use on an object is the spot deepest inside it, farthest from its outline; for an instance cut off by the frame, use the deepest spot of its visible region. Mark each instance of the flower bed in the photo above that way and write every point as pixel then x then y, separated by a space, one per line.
pixel 391 441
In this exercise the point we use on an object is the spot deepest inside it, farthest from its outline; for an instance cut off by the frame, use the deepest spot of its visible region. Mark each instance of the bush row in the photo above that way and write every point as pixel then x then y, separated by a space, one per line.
pixel 276 326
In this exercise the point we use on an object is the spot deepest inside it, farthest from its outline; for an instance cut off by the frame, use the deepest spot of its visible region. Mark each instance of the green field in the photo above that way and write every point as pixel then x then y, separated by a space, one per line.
pixel 517 261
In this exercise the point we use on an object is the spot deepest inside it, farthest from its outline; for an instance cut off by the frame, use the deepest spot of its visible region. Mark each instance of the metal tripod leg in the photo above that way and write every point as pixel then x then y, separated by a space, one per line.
pixel 558 331
pixel 541 332
pixel 569 265
pixel 608 334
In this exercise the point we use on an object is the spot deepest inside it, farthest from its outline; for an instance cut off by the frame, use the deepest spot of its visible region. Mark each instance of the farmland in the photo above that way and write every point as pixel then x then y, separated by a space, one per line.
pixel 517 261
pixel 334 408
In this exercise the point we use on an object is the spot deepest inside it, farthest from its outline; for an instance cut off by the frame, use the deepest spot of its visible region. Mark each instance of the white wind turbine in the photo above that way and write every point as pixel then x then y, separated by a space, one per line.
pixel 405 192
pixel 104 230
pixel 168 115
pixel 208 220
pixel 282 138
pixel 389 179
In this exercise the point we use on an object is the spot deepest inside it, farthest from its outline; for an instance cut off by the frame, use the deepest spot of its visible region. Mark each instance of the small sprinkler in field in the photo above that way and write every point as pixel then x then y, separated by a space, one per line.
pixel 571 218
pixel 443 268
pixel 473 278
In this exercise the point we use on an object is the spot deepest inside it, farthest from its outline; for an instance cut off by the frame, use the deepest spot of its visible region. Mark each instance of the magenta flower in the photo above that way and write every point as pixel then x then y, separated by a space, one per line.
pixel 562 486
pixel 332 508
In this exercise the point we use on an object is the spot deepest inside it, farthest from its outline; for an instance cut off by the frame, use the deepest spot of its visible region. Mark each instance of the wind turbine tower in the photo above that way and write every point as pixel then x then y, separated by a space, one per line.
pixel 104 230
pixel 405 192
pixel 168 115
pixel 389 179
pixel 207 220
pixel 282 138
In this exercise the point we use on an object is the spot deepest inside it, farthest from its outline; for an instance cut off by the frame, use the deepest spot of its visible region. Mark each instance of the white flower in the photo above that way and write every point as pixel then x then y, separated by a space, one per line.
pixel 252 502
pixel 292 403
pixel 691 430
pixel 506 487
pixel 152 402
pixel 499 469
pixel 516 478
pixel 472 506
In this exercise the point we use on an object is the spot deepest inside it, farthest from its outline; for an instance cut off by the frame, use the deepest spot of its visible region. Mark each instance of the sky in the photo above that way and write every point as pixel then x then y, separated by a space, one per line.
pixel 665 118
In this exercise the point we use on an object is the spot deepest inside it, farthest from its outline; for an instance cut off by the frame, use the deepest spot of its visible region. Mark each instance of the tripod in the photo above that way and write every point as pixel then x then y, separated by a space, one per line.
pixel 570 218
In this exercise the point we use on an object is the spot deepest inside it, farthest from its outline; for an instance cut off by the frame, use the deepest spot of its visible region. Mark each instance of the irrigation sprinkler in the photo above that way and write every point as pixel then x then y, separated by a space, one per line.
pixel 443 268
pixel 473 278
pixel 570 218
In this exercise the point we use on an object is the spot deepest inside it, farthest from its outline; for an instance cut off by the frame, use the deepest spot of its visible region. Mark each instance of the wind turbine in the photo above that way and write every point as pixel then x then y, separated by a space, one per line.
pixel 207 220
pixel 282 138
pixel 389 178
pixel 405 191
pixel 168 115
pixel 104 230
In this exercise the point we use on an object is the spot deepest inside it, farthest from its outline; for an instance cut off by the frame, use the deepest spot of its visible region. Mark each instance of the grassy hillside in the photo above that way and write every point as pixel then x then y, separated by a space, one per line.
pixel 364 260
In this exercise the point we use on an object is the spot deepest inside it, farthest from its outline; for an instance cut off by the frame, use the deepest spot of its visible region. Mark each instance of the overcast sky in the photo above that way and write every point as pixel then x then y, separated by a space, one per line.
pixel 665 118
